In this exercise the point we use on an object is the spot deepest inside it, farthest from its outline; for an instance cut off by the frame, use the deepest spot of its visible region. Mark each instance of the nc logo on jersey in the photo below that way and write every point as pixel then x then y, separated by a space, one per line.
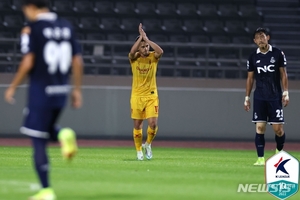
pixel 269 68
pixel 282 175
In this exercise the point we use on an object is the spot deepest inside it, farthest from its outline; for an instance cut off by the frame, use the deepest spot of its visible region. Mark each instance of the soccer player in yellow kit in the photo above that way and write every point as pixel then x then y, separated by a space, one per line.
pixel 144 97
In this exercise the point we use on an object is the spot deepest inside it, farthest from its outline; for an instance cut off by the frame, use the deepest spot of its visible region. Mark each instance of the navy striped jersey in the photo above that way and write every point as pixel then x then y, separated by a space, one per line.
pixel 266 71
pixel 53 43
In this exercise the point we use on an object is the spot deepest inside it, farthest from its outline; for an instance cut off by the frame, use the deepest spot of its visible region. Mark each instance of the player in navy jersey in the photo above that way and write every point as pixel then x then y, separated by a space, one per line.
pixel 50 53
pixel 267 65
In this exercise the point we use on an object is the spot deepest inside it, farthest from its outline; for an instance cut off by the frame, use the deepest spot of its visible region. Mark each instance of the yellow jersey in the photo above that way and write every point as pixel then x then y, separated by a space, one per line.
pixel 144 75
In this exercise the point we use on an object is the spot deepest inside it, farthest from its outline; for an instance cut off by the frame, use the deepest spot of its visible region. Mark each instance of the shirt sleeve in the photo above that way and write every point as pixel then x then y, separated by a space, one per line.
pixel 76 49
pixel 250 67
pixel 28 43
pixel 282 60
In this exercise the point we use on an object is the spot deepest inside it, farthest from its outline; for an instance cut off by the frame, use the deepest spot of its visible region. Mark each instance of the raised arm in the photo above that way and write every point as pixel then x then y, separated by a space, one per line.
pixel 157 49
pixel 133 52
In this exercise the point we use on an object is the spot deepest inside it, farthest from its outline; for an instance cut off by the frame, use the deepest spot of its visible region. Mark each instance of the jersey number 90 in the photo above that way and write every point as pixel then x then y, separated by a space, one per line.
pixel 58 56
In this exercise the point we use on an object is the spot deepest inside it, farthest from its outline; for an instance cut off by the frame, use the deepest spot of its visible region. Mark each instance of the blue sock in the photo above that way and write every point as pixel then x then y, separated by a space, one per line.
pixel 54 133
pixel 54 129
pixel 260 144
pixel 41 160
pixel 280 142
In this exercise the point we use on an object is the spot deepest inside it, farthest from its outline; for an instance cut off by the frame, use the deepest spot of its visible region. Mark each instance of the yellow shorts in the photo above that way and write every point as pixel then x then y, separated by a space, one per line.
pixel 144 107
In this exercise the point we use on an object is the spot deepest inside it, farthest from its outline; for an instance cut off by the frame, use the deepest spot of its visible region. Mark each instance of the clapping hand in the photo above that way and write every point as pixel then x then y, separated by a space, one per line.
pixel 142 32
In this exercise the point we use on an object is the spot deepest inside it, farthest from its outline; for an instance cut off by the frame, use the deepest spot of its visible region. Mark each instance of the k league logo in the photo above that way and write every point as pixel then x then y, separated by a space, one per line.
pixel 282 175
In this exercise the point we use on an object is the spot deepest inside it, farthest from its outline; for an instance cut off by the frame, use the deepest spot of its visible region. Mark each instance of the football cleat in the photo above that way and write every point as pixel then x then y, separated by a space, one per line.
pixel 67 138
pixel 44 194
pixel 260 161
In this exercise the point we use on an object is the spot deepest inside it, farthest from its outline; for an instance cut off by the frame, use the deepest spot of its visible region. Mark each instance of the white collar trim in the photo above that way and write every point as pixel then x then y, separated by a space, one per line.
pixel 49 16
pixel 270 49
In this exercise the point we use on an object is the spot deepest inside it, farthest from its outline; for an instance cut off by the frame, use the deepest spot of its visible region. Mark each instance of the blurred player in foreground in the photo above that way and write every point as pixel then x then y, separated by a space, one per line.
pixel 144 97
pixel 49 50
pixel 267 65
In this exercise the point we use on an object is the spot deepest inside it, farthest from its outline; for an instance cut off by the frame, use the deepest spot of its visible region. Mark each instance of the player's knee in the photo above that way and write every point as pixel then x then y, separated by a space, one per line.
pixel 260 129
pixel 279 131
pixel 153 125
pixel 137 124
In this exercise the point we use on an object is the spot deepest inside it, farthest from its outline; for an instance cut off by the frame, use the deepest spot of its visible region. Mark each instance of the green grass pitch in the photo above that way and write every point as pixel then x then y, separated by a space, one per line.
pixel 115 174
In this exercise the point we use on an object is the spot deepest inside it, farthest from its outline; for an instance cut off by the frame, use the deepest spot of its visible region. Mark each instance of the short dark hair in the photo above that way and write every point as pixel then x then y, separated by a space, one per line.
pixel 260 30
pixel 37 3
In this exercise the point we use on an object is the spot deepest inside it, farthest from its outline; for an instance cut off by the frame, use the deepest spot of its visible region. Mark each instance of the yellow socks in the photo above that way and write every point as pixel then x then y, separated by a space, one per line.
pixel 151 134
pixel 138 139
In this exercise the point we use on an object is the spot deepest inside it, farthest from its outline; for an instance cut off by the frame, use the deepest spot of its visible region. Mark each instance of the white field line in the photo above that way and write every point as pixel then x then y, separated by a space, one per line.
pixel 17 186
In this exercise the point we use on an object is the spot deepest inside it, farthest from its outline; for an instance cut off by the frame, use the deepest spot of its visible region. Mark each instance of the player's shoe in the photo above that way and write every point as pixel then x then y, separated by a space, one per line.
pixel 148 150
pixel 140 155
pixel 67 138
pixel 260 161
pixel 44 194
